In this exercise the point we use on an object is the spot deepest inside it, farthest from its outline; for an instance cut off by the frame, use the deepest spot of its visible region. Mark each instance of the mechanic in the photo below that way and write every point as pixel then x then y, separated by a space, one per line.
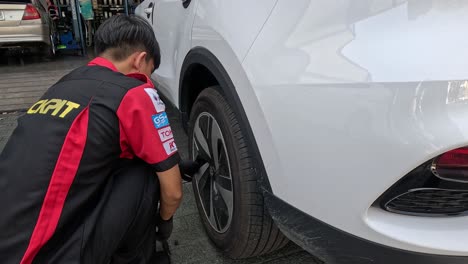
pixel 77 176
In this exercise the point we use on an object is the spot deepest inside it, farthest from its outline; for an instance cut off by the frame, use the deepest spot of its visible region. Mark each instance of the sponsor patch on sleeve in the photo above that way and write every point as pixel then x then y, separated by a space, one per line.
pixel 160 120
pixel 165 133
pixel 154 96
pixel 170 147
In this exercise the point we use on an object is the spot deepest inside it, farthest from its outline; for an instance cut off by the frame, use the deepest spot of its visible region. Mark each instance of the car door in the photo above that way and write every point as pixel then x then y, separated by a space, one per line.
pixel 172 23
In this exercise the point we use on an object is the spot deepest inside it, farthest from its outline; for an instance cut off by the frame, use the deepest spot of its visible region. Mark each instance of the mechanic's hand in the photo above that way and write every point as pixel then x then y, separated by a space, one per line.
pixel 164 228
pixel 188 168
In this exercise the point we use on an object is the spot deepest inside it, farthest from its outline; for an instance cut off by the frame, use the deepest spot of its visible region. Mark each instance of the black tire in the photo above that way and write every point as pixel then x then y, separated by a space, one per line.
pixel 251 232
pixel 49 52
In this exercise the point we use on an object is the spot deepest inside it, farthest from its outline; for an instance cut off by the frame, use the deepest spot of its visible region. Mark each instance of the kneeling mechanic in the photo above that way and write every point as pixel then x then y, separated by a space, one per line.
pixel 82 174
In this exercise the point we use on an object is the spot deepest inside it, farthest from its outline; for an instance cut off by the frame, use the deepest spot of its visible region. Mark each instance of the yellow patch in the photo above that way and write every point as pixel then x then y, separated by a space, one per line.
pixel 53 107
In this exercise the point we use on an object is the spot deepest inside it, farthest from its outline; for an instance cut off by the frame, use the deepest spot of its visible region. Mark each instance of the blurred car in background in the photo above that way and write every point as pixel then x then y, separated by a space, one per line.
pixel 26 27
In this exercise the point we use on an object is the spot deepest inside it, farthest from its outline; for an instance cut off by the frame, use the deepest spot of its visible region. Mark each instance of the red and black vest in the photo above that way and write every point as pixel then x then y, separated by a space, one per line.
pixel 65 148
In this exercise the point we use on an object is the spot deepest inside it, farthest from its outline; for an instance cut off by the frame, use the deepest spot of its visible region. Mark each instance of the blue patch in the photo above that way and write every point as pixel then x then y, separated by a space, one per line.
pixel 160 120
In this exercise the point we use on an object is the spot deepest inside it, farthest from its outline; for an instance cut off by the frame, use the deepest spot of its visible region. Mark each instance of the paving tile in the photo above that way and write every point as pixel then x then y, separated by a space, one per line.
pixel 21 86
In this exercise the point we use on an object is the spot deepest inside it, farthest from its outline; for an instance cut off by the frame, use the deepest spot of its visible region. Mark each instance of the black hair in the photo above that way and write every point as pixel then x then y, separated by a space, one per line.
pixel 122 35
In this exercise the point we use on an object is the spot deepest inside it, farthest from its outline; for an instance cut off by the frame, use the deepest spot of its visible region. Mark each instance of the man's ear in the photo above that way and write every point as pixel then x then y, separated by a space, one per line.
pixel 139 60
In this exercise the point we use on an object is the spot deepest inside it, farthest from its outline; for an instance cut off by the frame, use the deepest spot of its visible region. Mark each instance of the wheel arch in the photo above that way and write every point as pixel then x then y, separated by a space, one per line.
pixel 201 69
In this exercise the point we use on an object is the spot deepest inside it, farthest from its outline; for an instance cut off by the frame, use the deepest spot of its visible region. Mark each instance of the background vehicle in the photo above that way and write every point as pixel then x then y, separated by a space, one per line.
pixel 26 27
pixel 340 120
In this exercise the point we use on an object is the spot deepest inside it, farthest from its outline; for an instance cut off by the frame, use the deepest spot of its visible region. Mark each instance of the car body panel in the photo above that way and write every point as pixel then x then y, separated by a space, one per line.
pixel 178 30
pixel 229 22
pixel 17 32
pixel 28 33
pixel 371 90
pixel 12 13
pixel 344 98
pixel 174 40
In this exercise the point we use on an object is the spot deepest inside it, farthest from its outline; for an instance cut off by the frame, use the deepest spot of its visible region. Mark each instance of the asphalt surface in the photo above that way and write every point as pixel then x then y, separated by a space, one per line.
pixel 22 83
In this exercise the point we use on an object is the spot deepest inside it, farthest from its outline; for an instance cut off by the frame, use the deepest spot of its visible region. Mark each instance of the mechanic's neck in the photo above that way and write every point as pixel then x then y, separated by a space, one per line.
pixel 124 66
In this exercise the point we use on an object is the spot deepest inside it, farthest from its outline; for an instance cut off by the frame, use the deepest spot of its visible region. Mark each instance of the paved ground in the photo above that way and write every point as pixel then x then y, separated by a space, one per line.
pixel 21 85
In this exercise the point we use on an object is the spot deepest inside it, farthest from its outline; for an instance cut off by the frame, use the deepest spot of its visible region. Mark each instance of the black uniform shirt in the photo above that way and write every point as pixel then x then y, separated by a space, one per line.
pixel 64 150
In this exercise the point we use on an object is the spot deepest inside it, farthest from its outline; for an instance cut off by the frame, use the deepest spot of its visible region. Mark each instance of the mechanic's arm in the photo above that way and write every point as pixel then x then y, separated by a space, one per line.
pixel 171 191
pixel 146 134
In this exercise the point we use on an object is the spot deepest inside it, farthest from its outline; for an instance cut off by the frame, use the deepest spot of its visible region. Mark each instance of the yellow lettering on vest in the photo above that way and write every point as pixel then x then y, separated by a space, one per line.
pixel 47 105
pixel 44 106
pixel 33 109
pixel 56 104
pixel 70 106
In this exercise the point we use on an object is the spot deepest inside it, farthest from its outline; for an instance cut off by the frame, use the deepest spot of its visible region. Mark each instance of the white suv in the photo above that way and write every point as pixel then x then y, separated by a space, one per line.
pixel 343 121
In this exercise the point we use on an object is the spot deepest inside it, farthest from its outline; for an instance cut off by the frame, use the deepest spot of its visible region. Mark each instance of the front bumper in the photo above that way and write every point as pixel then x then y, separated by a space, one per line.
pixel 335 246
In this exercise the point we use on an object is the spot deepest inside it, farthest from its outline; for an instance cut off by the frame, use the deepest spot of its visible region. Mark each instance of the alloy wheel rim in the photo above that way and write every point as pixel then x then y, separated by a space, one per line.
pixel 214 179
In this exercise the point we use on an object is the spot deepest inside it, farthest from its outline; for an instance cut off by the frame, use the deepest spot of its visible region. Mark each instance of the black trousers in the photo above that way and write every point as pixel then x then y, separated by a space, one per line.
pixel 122 228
